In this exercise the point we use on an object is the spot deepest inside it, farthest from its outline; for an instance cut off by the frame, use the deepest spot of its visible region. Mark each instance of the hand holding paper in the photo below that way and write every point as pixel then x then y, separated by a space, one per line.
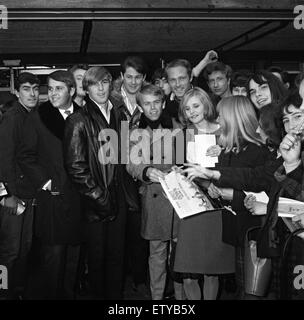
pixel 185 197
pixel 196 171
pixel 203 150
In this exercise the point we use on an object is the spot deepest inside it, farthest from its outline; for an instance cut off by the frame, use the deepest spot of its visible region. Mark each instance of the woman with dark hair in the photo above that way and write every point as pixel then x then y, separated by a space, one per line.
pixel 299 83
pixel 265 88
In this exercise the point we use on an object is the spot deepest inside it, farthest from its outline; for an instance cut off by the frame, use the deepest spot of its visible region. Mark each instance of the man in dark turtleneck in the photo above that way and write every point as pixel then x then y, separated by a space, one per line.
pixel 149 161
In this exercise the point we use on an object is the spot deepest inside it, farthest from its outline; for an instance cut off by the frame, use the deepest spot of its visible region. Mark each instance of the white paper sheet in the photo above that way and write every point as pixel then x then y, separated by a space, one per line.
pixel 196 150
pixel 260 196
pixel 183 195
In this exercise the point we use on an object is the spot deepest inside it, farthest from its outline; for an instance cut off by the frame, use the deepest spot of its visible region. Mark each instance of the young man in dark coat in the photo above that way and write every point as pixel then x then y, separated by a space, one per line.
pixel 58 213
pixel 16 230
pixel 99 178
pixel 133 74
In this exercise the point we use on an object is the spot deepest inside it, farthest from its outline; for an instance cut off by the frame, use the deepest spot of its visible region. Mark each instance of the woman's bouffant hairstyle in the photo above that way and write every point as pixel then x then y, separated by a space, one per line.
pixel 202 95
pixel 271 123
pixel 293 99
pixel 298 79
pixel 277 89
pixel 239 123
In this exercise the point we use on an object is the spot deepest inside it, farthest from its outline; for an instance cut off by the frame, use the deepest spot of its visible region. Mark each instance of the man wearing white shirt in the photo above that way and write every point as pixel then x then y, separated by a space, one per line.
pixel 58 211
pixel 99 183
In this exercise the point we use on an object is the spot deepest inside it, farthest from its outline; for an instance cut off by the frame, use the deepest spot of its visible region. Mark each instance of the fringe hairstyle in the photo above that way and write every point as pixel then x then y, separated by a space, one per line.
pixel 239 123
pixel 209 110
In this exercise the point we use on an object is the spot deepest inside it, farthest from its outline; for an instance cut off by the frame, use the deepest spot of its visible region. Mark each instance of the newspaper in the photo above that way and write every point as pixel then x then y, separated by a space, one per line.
pixel 3 191
pixel 186 198
pixel 287 209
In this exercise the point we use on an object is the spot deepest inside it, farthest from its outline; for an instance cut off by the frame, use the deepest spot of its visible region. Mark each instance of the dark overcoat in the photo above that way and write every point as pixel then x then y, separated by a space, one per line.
pixel 58 214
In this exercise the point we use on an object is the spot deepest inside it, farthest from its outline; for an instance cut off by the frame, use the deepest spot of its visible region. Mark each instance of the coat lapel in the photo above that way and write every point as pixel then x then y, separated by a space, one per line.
pixel 52 119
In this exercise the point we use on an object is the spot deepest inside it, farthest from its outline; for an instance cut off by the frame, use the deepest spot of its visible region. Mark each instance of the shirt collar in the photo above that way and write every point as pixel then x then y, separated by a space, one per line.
pixel 105 113
pixel 127 102
pixel 62 111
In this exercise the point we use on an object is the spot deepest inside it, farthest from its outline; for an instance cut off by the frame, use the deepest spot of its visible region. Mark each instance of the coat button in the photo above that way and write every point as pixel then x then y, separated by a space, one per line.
pixel 154 195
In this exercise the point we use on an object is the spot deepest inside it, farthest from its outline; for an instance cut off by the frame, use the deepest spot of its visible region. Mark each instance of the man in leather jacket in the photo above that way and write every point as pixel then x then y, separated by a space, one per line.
pixel 99 181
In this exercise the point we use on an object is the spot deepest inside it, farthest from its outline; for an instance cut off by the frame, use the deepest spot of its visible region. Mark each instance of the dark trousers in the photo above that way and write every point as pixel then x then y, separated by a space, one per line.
pixel 54 272
pixel 137 249
pixel 105 249
pixel 15 243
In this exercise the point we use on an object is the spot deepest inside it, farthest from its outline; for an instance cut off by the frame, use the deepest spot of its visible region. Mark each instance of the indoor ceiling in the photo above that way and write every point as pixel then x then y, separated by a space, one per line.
pixel 104 31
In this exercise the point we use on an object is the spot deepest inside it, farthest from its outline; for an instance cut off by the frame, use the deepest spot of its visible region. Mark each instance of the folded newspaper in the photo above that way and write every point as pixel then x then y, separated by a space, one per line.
pixel 186 198
pixel 3 191
pixel 289 207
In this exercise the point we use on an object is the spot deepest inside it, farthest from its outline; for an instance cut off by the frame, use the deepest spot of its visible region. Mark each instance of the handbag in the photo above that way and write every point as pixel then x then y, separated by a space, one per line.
pixel 257 270
pixel 288 261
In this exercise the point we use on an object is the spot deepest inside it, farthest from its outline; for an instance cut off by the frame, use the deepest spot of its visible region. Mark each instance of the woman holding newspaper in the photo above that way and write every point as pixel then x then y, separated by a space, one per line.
pixel 200 252
pixel 242 147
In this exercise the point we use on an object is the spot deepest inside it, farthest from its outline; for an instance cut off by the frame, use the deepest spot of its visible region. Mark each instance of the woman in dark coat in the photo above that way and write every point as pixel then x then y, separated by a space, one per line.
pixel 243 147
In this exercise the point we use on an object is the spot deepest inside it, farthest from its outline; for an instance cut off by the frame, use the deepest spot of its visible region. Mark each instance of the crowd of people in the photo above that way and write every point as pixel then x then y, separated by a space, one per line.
pixel 82 208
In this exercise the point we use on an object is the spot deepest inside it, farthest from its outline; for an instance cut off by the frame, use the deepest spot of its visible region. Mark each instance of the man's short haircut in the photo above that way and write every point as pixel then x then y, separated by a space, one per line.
pixel 94 75
pixel 135 62
pixel 280 71
pixel 63 76
pixel 158 74
pixel 239 79
pixel 152 90
pixel 25 77
pixel 217 66
pixel 179 63
pixel 78 66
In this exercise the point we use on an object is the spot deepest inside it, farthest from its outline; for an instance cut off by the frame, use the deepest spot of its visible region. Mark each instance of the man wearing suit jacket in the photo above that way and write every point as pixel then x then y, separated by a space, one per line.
pixel 16 229
pixel 99 182
pixel 58 213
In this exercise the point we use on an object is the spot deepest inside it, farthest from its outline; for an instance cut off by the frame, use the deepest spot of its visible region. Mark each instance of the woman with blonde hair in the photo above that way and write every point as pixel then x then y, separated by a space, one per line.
pixel 242 147
pixel 200 252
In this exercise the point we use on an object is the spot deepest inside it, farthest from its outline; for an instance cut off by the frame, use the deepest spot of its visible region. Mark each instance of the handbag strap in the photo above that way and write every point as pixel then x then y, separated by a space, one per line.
pixel 250 230
pixel 287 241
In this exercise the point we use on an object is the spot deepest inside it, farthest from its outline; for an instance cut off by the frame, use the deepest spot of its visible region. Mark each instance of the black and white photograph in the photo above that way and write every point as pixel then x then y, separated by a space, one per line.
pixel 151 153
